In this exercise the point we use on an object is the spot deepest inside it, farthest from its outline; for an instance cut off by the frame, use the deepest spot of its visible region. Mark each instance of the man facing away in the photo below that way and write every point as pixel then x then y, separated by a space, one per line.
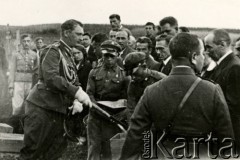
pixel 160 101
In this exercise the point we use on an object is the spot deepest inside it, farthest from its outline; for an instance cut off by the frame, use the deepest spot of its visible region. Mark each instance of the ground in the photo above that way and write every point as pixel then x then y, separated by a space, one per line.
pixel 73 152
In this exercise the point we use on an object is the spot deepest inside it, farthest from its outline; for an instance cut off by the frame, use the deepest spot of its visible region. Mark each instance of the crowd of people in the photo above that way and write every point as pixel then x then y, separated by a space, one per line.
pixel 172 81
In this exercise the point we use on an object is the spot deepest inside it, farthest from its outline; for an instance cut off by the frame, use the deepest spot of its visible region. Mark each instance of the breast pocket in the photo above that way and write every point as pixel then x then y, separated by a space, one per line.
pixel 99 82
pixel 116 84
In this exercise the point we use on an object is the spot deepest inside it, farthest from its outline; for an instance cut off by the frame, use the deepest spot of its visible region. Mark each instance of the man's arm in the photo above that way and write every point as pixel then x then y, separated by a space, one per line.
pixel 222 124
pixel 140 122
pixel 233 90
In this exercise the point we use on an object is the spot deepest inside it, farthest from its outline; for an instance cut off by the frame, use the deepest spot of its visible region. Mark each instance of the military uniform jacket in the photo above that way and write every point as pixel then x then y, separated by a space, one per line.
pixel 21 68
pixel 205 110
pixel 107 84
pixel 58 79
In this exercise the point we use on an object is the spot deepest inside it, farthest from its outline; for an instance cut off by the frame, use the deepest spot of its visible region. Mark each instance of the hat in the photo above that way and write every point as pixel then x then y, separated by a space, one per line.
pixel 109 44
pixel 133 59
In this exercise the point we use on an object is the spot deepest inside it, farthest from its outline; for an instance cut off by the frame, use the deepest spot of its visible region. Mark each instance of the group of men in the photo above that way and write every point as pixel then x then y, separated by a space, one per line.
pixel 157 74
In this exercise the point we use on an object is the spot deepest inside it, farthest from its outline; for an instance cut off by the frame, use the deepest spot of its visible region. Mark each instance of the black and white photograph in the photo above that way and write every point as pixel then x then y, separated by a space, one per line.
pixel 119 79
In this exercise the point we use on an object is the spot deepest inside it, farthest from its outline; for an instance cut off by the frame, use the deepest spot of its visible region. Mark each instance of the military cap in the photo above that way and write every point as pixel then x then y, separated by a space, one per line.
pixel 110 44
pixel 133 59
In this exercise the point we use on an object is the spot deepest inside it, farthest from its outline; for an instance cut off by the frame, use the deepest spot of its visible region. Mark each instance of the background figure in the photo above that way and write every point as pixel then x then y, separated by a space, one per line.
pixel 144 44
pixel 237 47
pixel 183 29
pixel 169 26
pixel 39 47
pixel 21 72
pixel 3 75
pixel 90 55
pixel 112 35
pixel 97 40
pixel 122 38
pixel 151 34
pixel 83 66
pixel 163 53
pixel 115 22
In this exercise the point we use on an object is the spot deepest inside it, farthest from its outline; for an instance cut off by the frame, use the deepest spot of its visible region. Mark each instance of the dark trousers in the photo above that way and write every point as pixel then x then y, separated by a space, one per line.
pixel 100 131
pixel 43 134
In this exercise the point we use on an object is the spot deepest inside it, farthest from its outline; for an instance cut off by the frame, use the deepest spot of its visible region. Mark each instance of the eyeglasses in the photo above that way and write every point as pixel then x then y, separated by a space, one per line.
pixel 121 38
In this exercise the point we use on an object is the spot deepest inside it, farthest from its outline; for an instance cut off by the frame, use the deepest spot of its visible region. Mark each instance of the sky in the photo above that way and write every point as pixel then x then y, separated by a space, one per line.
pixel 190 13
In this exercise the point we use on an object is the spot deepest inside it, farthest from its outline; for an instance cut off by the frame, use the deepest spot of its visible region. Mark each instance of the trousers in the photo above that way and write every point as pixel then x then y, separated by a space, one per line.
pixel 43 134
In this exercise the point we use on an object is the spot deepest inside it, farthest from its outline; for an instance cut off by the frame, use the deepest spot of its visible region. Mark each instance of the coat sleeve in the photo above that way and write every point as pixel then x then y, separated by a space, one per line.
pixel 233 90
pixel 140 122
pixel 51 74
pixel 222 125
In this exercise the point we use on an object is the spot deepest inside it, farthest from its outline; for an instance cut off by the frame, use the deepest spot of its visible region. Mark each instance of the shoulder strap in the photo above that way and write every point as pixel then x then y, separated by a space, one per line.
pixel 180 106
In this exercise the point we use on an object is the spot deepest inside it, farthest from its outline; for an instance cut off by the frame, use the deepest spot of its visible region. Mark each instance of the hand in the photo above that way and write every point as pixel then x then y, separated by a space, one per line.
pixel 77 107
pixel 10 90
pixel 83 98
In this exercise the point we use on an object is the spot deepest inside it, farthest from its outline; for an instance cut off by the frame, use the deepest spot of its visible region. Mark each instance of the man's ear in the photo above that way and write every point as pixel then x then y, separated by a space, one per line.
pixel 66 33
pixel 193 59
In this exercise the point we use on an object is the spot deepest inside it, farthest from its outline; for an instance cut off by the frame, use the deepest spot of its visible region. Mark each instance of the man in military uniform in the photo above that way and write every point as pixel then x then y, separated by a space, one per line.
pixel 106 83
pixel 160 102
pixel 21 71
pixel 141 77
pixel 49 99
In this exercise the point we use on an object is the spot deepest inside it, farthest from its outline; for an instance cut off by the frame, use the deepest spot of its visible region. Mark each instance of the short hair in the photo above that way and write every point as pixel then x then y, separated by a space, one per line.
pixel 82 49
pixel 124 30
pixel 99 37
pixel 184 29
pixel 25 35
pixel 221 35
pixel 150 24
pixel 145 40
pixel 171 20
pixel 115 16
pixel 183 45
pixel 87 34
pixel 39 38
pixel 164 37
pixel 70 25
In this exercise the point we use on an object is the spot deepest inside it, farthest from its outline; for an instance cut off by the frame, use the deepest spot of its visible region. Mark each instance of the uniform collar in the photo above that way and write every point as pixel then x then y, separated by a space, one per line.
pixel 114 68
pixel 182 70
pixel 69 49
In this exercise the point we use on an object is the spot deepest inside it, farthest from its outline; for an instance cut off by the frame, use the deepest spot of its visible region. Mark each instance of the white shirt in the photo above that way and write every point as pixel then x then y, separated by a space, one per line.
pixel 87 48
pixel 166 60
pixel 223 57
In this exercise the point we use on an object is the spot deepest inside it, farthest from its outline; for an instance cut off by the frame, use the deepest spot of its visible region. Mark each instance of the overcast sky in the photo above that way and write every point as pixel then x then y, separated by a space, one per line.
pixel 191 13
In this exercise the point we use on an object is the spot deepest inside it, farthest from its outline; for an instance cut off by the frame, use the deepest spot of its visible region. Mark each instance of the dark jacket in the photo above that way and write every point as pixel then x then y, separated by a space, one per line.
pixel 121 57
pixel 58 79
pixel 166 69
pixel 205 111
pixel 83 71
pixel 91 55
pixel 227 75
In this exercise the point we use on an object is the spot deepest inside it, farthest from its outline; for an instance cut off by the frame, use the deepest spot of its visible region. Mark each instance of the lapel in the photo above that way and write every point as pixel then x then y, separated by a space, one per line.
pixel 166 69
pixel 218 70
